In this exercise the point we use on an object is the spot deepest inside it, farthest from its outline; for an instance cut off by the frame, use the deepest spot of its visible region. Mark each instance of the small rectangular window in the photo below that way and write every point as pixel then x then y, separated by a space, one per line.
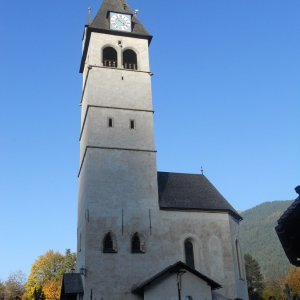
pixel 110 122
pixel 132 124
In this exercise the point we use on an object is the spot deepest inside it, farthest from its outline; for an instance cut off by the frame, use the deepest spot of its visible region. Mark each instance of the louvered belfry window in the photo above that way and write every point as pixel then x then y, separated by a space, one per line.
pixel 130 60
pixel 110 57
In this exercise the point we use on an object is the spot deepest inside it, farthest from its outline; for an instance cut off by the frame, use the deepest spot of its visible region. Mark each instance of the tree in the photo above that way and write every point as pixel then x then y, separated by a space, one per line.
pixel 44 281
pixel 2 290
pixel 37 294
pixel 69 261
pixel 292 278
pixel 273 288
pixel 15 285
pixel 254 277
pixel 51 290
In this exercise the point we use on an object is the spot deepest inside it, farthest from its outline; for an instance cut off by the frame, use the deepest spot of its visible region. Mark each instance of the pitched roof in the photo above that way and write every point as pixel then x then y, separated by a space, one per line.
pixel 288 231
pixel 173 269
pixel 72 284
pixel 178 191
pixel 101 20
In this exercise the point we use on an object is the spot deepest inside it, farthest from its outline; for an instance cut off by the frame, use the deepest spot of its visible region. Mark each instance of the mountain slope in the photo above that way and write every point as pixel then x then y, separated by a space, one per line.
pixel 259 239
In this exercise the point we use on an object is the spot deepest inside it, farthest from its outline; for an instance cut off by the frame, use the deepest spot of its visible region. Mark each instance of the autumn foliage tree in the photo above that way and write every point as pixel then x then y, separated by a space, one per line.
pixel 292 278
pixel 51 290
pixel 44 281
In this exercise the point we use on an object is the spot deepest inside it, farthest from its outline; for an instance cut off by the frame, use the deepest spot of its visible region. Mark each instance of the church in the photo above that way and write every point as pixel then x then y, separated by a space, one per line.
pixel 142 234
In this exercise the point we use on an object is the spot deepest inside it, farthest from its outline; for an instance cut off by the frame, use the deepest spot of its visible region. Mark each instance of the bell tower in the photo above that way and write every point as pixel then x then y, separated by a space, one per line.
pixel 117 173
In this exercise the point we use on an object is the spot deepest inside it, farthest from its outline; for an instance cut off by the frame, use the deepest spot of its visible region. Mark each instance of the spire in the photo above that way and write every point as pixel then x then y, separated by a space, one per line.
pixel 101 21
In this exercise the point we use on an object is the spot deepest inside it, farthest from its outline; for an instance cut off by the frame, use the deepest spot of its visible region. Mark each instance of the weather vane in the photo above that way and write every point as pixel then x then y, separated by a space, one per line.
pixel 202 170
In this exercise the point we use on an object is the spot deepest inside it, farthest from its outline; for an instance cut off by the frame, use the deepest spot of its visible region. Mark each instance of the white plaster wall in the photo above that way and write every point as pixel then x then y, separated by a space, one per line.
pixel 119 88
pixel 118 180
pixel 176 226
pixel 114 181
pixel 97 133
pixel 163 247
pixel 122 95
pixel 166 288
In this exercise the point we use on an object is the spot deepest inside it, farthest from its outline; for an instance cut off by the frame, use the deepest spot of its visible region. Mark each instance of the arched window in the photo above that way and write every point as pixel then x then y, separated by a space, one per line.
pixel 109 243
pixel 110 57
pixel 136 244
pixel 189 253
pixel 129 60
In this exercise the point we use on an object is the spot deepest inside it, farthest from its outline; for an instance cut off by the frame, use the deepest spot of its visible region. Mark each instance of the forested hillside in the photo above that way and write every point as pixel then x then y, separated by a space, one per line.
pixel 258 238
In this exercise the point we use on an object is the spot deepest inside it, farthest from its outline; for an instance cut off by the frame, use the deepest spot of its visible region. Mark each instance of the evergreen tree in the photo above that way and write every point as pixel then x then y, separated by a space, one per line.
pixel 254 277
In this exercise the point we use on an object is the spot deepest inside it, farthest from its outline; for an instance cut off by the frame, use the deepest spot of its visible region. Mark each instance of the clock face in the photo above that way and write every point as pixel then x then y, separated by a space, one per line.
pixel 120 22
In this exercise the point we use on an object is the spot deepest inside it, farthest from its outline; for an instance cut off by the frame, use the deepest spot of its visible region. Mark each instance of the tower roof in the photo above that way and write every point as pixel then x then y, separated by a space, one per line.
pixel 101 21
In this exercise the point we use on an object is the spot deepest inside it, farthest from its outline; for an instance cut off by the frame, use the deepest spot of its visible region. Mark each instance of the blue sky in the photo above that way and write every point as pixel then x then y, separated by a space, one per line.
pixel 226 95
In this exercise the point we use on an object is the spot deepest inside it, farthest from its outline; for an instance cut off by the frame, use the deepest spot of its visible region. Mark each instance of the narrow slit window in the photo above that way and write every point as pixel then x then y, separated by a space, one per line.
pixel 79 246
pixel 132 124
pixel 110 122
pixel 189 253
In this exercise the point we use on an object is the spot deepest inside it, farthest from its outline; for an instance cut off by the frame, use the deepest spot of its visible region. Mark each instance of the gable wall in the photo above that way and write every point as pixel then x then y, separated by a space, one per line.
pixel 166 289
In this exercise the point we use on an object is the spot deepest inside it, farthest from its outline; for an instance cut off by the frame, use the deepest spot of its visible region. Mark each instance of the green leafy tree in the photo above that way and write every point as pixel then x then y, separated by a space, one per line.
pixel 254 277
pixel 44 281
pixel 15 285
